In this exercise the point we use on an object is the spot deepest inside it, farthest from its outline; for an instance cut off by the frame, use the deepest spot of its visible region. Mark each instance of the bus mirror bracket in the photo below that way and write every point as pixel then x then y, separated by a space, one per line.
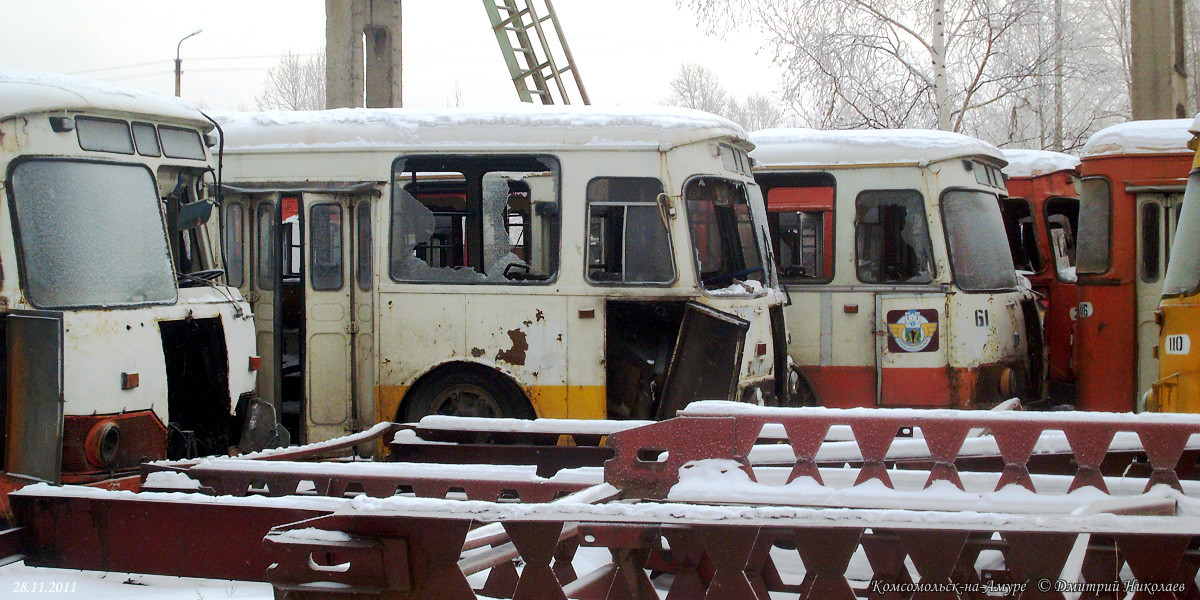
pixel 664 205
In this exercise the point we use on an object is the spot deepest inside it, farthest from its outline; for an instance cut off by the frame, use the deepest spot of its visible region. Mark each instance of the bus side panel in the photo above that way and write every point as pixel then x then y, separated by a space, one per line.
pixel 586 322
pixel 842 386
pixel 527 340
pixel 1105 349
pixel 406 352
pixel 912 349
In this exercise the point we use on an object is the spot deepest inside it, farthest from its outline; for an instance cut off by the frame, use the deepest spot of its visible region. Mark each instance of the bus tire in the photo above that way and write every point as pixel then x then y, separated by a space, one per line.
pixel 466 391
pixel 802 392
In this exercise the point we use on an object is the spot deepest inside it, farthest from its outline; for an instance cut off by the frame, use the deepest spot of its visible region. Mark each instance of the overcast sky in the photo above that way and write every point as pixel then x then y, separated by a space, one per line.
pixel 627 50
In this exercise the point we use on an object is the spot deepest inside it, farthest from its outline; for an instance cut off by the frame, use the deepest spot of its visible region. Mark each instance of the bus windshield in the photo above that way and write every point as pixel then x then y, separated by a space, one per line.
pixel 723 233
pixel 979 253
pixel 1183 272
pixel 91 234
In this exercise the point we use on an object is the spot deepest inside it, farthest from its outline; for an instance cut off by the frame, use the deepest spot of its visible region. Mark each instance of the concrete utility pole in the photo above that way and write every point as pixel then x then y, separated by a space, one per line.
pixel 362 53
pixel 179 62
pixel 1157 69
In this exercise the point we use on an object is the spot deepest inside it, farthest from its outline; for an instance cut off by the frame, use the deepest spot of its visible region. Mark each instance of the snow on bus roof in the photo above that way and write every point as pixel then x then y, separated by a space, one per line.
pixel 24 92
pixel 1031 163
pixel 794 147
pixel 517 125
pixel 1140 137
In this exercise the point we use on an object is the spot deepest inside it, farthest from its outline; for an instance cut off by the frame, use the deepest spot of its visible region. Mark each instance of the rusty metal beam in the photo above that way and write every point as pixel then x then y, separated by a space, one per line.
pixel 133 534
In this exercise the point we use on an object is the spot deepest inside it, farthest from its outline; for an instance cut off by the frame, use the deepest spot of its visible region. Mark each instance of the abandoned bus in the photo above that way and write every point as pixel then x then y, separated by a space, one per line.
pixel 891 248
pixel 118 347
pixel 1041 216
pixel 1131 193
pixel 567 263
pixel 1178 386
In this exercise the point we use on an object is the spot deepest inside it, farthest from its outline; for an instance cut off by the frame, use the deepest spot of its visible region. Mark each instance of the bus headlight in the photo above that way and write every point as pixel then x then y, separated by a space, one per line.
pixel 1009 384
pixel 102 443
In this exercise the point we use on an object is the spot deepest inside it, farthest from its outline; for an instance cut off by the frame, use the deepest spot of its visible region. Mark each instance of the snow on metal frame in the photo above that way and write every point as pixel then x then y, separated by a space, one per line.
pixel 1140 137
pixel 29 92
pixel 814 147
pixel 517 126
pixel 1032 163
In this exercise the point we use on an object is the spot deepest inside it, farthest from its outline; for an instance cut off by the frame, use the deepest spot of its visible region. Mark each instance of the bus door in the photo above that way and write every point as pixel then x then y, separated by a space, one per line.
pixel 329 326
pixel 911 350
pixel 261 287
pixel 1158 213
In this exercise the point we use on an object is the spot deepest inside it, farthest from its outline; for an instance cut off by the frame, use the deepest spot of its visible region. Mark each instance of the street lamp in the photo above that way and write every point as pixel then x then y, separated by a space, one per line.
pixel 179 63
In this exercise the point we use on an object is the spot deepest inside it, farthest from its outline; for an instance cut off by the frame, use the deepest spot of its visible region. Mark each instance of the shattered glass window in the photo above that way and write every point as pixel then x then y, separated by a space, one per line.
pixel 474 219
pixel 628 241
pixel 891 237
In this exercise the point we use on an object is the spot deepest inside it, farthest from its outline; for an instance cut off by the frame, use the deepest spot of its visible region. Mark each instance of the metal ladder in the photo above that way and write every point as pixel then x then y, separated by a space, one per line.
pixel 530 53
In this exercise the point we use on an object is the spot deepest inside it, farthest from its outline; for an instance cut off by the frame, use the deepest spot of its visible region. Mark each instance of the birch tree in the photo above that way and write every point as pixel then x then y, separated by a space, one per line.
pixel 886 63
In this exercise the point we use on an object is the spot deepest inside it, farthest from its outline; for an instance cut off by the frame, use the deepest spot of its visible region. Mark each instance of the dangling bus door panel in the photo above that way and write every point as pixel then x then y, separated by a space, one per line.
pixel 1157 216
pixel 261 288
pixel 910 354
pixel 329 326
pixel 32 416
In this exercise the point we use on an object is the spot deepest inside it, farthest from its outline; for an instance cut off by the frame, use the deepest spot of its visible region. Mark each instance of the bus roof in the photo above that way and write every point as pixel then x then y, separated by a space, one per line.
pixel 814 147
pixel 26 92
pixel 1031 163
pixel 517 126
pixel 1140 137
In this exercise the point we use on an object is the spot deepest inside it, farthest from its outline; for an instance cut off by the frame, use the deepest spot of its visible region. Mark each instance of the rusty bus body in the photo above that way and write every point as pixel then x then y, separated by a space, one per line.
pixel 1134 176
pixel 1041 218
pixel 892 251
pixel 568 263
pixel 118 346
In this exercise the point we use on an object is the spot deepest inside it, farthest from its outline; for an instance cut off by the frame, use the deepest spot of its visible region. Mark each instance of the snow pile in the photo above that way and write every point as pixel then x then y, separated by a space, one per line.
pixel 1032 163
pixel 23 91
pixel 544 125
pixel 797 147
pixel 1140 137
pixel 739 288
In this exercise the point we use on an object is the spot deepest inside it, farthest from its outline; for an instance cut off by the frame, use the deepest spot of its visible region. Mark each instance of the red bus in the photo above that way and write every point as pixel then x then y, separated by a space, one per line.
pixel 1041 218
pixel 1133 178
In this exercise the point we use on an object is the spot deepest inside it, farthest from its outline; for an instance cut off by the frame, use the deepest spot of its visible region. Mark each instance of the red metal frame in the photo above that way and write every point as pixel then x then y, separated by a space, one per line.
pixel 398 547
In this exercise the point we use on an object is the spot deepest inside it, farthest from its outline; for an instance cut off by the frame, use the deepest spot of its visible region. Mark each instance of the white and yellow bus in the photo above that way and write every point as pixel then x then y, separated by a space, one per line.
pixel 118 346
pixel 893 253
pixel 550 262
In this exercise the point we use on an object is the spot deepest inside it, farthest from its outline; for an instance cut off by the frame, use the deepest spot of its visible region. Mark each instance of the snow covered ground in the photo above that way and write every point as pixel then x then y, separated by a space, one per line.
pixel 20 581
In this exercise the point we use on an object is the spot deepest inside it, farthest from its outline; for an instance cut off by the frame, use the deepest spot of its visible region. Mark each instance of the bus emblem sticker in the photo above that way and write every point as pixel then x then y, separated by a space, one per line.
pixel 914 330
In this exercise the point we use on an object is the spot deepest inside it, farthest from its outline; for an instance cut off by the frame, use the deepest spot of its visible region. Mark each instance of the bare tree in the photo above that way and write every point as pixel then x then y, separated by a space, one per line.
pixel 881 63
pixel 698 87
pixel 295 84
pixel 759 112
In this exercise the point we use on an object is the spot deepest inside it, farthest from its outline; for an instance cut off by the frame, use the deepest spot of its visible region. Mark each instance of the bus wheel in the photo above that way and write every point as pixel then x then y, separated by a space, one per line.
pixel 802 392
pixel 466 392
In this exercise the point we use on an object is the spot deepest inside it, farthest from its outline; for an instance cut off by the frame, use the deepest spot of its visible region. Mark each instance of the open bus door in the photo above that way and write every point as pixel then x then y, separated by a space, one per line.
pixel 1158 213
pixel 263 283
pixel 329 326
